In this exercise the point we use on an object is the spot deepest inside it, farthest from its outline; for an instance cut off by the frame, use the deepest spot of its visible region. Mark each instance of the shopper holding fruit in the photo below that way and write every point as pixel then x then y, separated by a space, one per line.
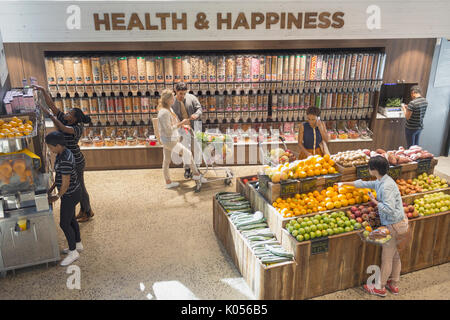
pixel 312 135
pixel 391 212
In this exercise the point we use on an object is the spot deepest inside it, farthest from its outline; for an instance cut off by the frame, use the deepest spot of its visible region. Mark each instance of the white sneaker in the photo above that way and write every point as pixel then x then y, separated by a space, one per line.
pixel 71 257
pixel 172 185
pixel 79 248
pixel 201 178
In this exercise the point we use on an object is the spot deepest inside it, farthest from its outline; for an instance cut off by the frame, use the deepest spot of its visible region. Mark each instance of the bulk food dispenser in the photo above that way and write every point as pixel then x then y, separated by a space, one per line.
pixel 27 228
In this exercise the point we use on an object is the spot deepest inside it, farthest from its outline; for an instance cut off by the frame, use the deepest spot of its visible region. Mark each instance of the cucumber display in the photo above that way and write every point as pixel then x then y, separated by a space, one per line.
pixel 254 228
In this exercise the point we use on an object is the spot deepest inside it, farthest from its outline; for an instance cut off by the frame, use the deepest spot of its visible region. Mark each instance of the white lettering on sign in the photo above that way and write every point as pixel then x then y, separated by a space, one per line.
pixel 74 281
pixel 374 19
pixel 74 20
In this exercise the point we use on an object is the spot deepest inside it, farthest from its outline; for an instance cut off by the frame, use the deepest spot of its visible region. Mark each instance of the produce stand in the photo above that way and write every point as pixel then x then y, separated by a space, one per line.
pixel 328 264
pixel 266 282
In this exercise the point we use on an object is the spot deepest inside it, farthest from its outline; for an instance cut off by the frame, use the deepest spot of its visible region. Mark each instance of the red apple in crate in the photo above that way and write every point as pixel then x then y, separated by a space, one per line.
pixel 352 216
pixel 353 209
pixel 358 213
pixel 245 181
pixel 359 220
pixel 411 208
pixel 365 217
pixel 410 215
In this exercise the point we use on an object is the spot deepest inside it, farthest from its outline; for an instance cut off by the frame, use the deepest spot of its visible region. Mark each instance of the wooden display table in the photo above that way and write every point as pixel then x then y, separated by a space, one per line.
pixel 342 265
pixel 267 282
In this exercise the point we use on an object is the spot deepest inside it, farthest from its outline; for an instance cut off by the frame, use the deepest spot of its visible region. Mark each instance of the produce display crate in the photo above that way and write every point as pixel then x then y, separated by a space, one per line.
pixel 267 282
pixel 409 199
pixel 274 190
pixel 408 170
pixel 241 187
pixel 337 265
pixel 275 220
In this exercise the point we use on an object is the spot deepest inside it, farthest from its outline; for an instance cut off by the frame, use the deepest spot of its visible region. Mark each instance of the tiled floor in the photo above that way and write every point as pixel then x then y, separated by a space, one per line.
pixel 149 242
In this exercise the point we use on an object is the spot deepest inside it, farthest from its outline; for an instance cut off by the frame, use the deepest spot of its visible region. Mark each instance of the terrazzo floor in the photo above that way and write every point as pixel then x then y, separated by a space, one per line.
pixel 146 242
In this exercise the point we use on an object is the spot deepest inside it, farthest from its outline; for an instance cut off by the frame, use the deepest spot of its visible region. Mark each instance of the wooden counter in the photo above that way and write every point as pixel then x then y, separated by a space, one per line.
pixel 343 265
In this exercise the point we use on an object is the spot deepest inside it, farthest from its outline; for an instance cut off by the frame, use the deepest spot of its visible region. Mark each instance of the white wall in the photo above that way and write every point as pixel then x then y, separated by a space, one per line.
pixel 435 121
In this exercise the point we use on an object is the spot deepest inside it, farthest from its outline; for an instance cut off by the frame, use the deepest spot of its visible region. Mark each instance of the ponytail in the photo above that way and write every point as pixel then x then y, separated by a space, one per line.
pixel 80 116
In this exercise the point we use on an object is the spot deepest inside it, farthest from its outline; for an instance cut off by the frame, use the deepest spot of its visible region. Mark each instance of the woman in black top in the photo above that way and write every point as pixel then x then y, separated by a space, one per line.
pixel 69 124
pixel 312 135
pixel 66 180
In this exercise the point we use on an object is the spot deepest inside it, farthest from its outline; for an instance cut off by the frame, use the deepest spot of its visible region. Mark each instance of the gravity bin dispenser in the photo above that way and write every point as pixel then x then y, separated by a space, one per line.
pixel 27 228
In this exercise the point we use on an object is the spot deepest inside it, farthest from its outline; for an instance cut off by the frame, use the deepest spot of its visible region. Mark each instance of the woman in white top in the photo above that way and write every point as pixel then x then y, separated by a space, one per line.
pixel 168 126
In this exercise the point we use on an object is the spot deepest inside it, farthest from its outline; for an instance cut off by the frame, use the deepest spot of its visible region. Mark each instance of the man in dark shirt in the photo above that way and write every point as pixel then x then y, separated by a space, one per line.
pixel 187 106
pixel 69 191
pixel 414 113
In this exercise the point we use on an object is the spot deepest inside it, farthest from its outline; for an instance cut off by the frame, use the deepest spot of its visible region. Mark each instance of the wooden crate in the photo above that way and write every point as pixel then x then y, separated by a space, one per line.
pixel 241 187
pixel 267 282
pixel 274 189
pixel 319 274
pixel 409 199
pixel 409 170
pixel 346 170
pixel 275 220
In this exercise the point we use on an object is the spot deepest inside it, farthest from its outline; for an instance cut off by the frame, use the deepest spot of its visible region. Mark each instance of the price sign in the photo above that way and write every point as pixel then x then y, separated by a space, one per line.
pixel 319 245
pixel 332 179
pixel 362 172
pixel 395 172
pixel 263 183
pixel 289 187
pixel 423 165
pixel 307 185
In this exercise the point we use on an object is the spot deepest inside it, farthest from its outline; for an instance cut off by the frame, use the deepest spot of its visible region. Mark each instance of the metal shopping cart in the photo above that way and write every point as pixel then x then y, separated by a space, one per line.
pixel 215 149
pixel 272 158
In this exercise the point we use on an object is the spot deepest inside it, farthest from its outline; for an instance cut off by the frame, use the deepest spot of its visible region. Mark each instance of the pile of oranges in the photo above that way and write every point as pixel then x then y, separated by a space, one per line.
pixel 331 198
pixel 15 128
pixel 316 166
pixel 298 169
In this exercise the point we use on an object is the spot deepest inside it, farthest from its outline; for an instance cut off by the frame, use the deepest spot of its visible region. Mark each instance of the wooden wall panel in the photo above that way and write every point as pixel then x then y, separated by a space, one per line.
pixel 33 62
pixel 15 64
pixel 409 60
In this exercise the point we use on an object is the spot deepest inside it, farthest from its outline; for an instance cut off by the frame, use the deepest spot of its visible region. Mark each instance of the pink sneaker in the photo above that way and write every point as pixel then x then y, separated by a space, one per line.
pixel 391 288
pixel 375 291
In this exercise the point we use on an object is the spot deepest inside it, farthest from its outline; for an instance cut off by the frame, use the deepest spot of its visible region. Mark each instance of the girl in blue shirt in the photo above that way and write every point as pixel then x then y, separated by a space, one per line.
pixel 390 210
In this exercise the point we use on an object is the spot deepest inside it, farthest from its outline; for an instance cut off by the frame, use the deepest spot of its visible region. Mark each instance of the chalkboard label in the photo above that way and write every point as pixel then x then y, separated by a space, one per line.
pixel 319 245
pixel 307 185
pixel 423 166
pixel 362 172
pixel 332 179
pixel 395 172
pixel 263 183
pixel 289 187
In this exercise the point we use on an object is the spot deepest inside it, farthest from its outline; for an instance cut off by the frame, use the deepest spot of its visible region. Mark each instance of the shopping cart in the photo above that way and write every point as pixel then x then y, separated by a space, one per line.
pixel 265 153
pixel 215 149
